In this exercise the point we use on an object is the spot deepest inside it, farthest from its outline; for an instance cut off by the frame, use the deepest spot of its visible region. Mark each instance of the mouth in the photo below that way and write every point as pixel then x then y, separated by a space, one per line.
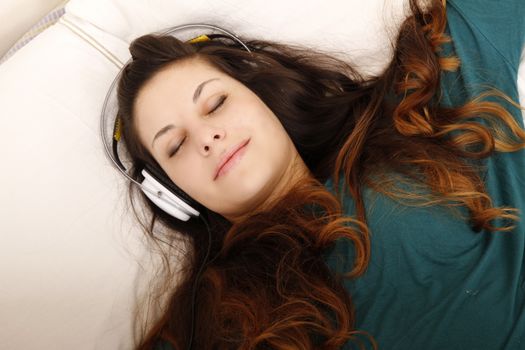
pixel 231 158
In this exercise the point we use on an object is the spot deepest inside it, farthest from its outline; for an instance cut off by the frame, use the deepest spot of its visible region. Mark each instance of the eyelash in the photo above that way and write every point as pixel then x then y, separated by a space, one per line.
pixel 219 105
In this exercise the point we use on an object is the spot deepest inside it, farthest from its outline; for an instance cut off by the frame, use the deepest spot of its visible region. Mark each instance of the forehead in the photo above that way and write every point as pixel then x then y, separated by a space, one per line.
pixel 177 78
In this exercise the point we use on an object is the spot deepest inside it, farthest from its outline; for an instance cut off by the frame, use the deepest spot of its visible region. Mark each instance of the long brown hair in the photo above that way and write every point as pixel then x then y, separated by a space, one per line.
pixel 267 285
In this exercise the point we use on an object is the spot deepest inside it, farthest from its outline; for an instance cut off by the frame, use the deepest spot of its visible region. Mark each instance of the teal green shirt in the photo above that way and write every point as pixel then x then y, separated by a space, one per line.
pixel 432 282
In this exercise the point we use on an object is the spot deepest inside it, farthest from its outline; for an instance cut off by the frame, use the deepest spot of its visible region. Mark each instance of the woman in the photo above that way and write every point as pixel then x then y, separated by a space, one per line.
pixel 381 212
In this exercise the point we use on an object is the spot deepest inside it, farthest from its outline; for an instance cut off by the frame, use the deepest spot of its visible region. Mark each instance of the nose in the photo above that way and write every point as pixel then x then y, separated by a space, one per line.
pixel 208 138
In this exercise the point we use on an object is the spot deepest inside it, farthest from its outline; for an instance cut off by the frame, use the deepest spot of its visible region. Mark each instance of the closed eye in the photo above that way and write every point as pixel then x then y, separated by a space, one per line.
pixel 172 153
pixel 219 104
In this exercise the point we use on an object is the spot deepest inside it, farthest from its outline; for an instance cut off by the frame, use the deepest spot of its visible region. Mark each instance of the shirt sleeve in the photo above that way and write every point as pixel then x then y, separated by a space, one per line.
pixel 501 22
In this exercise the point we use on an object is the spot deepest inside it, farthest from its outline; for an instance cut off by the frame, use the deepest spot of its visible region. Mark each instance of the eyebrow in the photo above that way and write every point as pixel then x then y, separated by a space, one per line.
pixel 196 95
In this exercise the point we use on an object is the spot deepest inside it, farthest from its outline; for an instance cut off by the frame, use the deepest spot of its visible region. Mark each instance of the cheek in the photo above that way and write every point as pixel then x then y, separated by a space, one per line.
pixel 182 172
pixel 274 147
pixel 268 157
pixel 276 141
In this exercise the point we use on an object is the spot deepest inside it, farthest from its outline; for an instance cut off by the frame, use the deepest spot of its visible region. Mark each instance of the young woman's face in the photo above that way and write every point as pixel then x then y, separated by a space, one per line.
pixel 215 138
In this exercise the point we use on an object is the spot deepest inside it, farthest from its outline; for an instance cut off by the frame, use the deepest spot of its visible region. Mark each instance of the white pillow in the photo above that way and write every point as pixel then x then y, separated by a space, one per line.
pixel 352 27
pixel 67 244
pixel 18 17
pixel 66 275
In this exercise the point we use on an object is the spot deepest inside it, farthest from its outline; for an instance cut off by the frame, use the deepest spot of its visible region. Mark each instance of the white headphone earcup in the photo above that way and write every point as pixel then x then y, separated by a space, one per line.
pixel 165 199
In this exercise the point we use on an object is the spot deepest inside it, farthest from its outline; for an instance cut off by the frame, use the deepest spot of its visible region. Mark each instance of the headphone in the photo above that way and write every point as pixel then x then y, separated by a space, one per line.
pixel 156 185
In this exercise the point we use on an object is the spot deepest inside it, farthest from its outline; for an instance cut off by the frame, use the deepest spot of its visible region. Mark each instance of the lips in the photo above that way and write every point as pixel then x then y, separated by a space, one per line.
pixel 228 155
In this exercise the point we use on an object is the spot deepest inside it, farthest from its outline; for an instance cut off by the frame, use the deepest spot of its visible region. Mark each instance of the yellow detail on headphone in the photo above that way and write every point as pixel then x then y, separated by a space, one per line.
pixel 117 130
pixel 198 39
